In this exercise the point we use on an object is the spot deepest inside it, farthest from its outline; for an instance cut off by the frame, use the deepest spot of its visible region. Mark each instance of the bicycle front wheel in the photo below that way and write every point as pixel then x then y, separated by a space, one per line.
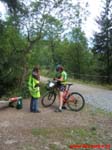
pixel 75 101
pixel 48 99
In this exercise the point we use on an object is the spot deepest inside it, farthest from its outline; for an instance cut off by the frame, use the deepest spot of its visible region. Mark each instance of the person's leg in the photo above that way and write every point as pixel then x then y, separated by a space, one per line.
pixel 60 100
pixel 61 93
pixel 64 94
pixel 32 104
pixel 36 106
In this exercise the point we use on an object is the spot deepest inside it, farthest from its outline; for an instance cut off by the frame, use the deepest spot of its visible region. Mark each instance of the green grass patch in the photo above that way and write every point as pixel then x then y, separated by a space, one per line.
pixel 60 138
pixel 97 111
pixel 69 136
pixel 41 131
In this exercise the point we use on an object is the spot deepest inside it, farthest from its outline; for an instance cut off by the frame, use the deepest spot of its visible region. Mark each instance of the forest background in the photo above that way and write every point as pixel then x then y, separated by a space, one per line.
pixel 50 32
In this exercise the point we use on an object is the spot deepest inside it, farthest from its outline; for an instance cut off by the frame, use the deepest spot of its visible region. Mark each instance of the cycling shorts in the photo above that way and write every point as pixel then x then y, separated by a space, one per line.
pixel 62 88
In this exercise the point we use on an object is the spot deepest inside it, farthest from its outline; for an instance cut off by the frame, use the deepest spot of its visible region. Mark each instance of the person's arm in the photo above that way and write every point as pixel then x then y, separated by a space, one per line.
pixel 60 79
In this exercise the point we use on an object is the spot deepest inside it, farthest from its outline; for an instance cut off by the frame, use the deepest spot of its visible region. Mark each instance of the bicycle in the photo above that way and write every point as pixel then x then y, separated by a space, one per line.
pixel 74 100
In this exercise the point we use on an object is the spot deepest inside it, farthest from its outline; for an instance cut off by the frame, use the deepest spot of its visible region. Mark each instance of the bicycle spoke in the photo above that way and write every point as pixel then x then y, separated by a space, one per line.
pixel 75 101
pixel 48 99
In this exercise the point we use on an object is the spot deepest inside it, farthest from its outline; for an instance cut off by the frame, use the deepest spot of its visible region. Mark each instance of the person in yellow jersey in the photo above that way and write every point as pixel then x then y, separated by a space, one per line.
pixel 61 78
pixel 34 89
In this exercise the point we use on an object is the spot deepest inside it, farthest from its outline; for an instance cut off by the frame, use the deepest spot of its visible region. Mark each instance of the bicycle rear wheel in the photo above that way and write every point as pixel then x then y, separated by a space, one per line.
pixel 48 99
pixel 75 101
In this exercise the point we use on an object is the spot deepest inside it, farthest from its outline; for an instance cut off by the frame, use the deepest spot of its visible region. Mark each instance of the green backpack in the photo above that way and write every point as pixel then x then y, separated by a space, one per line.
pixel 19 103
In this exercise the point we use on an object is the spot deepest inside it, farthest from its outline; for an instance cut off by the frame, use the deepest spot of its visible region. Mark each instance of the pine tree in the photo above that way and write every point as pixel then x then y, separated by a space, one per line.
pixel 103 42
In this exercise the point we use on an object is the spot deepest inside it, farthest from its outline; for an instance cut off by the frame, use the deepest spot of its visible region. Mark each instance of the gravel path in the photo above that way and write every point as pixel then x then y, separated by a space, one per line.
pixel 100 98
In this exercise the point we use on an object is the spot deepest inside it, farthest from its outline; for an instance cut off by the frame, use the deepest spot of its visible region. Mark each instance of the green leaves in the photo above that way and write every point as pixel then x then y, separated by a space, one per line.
pixel 102 43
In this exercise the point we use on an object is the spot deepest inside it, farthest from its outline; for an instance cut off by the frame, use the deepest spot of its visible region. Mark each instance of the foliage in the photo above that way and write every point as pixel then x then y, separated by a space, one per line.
pixel 103 42
pixel 37 33
pixel 12 57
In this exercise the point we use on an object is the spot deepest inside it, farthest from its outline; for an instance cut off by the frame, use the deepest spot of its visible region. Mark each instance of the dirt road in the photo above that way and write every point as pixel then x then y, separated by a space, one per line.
pixel 48 130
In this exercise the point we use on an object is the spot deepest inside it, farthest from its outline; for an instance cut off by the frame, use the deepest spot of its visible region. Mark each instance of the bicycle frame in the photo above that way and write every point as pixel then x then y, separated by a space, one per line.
pixel 66 92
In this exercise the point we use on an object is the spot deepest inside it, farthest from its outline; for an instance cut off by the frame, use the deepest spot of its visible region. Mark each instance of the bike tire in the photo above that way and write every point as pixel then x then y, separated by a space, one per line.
pixel 48 99
pixel 73 100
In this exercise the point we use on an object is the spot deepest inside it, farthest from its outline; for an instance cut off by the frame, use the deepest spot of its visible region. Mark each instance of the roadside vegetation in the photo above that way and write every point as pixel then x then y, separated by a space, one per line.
pixel 32 34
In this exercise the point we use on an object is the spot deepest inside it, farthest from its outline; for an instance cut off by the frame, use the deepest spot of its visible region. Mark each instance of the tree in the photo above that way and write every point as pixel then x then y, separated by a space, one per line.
pixel 103 42
pixel 53 32
pixel 12 59
pixel 29 25
pixel 76 52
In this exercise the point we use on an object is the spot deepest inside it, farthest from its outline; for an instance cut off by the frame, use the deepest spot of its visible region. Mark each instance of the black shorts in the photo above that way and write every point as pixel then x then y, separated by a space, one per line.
pixel 62 88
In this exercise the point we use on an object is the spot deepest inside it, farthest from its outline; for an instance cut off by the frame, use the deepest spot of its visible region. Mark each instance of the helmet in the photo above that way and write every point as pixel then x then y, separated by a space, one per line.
pixel 59 68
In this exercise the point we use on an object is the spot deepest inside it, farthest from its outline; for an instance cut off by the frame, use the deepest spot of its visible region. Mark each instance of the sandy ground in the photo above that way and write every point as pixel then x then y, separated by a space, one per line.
pixel 17 127
pixel 48 130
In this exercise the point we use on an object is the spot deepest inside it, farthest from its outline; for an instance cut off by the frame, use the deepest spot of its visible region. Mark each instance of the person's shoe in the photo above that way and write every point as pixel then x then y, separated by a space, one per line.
pixel 38 111
pixel 64 107
pixel 58 110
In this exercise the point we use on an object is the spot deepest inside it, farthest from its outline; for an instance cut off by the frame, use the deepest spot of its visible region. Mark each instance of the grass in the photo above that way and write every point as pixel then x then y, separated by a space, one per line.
pixel 68 136
pixel 41 131
pixel 98 111
pixel 98 131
